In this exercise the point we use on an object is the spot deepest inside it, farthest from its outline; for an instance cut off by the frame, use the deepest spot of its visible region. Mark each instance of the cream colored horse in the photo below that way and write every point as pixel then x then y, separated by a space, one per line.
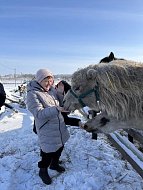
pixel 115 89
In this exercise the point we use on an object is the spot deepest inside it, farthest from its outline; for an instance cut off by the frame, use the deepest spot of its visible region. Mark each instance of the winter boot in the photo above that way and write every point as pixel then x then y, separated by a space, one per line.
pixel 43 173
pixel 58 168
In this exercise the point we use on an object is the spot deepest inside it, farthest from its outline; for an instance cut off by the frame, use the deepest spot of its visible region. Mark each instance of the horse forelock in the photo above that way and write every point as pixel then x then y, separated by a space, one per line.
pixel 79 77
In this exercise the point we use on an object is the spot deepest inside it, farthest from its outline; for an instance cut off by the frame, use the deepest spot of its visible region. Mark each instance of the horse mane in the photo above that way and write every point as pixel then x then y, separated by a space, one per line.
pixel 121 88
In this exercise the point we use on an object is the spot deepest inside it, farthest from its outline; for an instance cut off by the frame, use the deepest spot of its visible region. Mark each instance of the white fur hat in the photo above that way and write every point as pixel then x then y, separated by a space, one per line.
pixel 42 74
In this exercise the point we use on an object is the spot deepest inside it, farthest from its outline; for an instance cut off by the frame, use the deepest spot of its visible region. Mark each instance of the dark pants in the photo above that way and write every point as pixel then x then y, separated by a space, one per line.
pixel 51 158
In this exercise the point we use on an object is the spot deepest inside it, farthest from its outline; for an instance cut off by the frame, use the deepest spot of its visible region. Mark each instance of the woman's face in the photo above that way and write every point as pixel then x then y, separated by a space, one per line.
pixel 47 83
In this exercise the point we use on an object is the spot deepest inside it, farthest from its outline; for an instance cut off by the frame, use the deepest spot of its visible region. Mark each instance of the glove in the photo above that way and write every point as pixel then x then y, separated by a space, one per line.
pixel 81 125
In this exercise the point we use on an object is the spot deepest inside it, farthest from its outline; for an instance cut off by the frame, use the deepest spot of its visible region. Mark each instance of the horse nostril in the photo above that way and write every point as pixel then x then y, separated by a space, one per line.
pixel 85 127
pixel 103 121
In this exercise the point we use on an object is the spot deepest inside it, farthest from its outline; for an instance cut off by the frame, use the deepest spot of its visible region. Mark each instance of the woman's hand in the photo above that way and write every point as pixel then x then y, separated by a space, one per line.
pixel 81 125
pixel 61 109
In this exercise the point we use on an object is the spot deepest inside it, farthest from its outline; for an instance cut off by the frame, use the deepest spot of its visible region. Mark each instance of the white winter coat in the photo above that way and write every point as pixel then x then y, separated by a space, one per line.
pixel 50 126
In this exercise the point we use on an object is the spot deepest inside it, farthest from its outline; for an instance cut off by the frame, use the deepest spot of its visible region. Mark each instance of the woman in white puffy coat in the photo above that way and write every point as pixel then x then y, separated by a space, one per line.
pixel 43 101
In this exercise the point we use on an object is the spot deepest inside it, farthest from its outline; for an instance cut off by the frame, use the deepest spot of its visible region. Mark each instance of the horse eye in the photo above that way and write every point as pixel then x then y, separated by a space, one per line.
pixel 77 89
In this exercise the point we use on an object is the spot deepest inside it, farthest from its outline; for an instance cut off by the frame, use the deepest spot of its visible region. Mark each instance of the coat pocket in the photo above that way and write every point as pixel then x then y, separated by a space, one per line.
pixel 43 125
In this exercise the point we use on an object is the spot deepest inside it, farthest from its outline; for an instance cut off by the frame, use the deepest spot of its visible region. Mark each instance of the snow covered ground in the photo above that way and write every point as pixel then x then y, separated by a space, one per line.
pixel 90 164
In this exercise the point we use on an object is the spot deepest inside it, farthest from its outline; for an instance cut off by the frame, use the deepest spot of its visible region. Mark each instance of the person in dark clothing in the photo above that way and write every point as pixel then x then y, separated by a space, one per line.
pixel 2 95
pixel 66 85
pixel 68 120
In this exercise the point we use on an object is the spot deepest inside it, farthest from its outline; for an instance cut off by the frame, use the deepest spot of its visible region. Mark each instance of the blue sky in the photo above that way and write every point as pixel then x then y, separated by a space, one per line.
pixel 64 35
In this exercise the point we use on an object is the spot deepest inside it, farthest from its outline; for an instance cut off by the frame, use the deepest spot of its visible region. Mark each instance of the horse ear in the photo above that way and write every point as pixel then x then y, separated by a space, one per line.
pixel 111 56
pixel 91 74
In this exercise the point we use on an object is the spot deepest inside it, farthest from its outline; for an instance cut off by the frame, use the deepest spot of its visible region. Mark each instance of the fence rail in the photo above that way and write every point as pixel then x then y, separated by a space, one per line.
pixel 128 150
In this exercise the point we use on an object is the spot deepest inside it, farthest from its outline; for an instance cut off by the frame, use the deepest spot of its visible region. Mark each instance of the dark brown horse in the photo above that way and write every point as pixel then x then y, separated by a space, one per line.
pixel 109 58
